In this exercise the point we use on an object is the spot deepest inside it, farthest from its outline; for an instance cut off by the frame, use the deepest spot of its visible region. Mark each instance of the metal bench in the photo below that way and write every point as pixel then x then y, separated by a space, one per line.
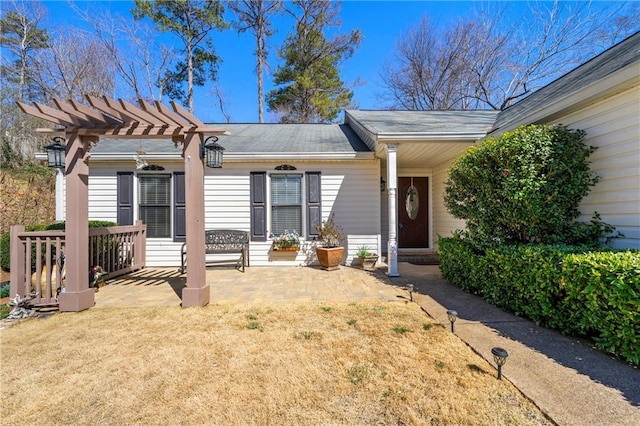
pixel 222 241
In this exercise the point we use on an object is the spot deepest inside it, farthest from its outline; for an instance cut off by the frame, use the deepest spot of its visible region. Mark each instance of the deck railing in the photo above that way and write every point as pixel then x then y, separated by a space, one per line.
pixel 38 262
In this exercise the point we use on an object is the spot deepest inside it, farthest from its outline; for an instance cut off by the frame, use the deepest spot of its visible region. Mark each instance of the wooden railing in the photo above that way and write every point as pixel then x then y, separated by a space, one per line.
pixel 38 262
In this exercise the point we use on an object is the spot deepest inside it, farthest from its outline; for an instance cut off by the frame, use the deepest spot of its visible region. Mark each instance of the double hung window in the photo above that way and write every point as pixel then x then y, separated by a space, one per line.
pixel 286 203
pixel 154 195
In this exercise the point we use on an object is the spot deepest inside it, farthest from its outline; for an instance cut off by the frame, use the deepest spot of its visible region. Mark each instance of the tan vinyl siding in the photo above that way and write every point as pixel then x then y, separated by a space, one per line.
pixel 613 125
pixel 443 223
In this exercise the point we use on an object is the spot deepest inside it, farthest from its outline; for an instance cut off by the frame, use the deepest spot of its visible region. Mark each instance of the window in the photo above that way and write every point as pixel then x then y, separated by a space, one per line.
pixel 286 203
pixel 154 196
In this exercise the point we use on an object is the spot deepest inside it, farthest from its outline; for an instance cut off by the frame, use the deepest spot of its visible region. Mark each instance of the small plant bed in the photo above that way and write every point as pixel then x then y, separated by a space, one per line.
pixel 367 363
pixel 367 258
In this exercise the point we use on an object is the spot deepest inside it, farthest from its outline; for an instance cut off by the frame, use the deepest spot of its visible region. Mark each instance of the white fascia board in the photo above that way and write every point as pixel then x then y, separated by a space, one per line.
pixel 253 156
pixel 238 157
pixel 390 137
pixel 167 156
pixel 619 81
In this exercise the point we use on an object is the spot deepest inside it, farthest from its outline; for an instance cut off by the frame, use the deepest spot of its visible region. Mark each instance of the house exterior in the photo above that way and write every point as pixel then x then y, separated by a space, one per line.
pixel 380 173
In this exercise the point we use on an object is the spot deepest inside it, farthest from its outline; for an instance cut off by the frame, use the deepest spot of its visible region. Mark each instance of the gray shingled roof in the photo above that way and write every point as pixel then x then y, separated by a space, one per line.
pixel 614 59
pixel 256 138
pixel 376 122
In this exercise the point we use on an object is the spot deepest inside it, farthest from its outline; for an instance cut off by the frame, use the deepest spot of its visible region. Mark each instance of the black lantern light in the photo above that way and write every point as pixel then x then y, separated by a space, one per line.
pixel 383 184
pixel 56 153
pixel 500 357
pixel 212 152
pixel 453 316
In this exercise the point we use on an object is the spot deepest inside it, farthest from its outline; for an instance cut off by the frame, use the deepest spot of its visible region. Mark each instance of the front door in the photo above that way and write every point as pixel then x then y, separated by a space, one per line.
pixel 413 212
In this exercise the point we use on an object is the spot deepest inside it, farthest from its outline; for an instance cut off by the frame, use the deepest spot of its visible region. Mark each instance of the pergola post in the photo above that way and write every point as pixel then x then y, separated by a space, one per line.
pixel 197 292
pixel 77 295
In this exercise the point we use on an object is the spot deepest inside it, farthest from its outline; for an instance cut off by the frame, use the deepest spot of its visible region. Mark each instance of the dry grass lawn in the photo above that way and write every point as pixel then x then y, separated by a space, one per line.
pixel 305 364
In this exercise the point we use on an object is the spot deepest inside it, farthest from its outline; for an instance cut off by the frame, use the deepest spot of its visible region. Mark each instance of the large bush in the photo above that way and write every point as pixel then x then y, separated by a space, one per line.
pixel 524 186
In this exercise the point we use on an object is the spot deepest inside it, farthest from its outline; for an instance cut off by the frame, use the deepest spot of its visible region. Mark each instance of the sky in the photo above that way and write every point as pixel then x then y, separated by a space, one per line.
pixel 382 23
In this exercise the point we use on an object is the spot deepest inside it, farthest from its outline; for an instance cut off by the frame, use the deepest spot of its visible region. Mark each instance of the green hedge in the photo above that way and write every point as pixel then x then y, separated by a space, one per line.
pixel 5 258
pixel 575 290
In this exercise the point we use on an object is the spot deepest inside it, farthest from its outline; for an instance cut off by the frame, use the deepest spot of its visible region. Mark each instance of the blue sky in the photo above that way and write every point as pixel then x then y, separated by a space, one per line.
pixel 381 23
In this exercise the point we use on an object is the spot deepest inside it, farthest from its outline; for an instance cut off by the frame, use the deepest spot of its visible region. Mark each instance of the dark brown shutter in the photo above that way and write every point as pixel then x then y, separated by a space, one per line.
pixel 314 206
pixel 179 208
pixel 125 198
pixel 259 206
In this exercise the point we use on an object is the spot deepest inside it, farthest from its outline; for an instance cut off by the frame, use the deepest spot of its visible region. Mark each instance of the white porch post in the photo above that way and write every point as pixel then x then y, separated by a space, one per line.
pixel 59 194
pixel 197 292
pixel 392 188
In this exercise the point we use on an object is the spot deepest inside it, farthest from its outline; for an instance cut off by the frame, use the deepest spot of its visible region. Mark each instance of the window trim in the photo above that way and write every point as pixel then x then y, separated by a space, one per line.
pixel 303 201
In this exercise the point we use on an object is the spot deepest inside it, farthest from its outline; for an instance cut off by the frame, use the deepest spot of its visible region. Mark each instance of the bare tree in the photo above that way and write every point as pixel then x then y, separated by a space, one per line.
pixel 485 62
pixel 140 62
pixel 76 64
pixel 254 15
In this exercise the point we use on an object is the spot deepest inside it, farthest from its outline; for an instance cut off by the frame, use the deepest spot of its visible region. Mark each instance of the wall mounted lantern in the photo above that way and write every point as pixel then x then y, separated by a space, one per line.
pixel 453 316
pixel 383 184
pixel 56 153
pixel 500 357
pixel 212 152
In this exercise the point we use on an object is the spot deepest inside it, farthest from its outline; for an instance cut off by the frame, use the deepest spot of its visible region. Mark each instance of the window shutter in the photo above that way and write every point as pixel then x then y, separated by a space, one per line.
pixel 179 208
pixel 125 198
pixel 314 206
pixel 259 206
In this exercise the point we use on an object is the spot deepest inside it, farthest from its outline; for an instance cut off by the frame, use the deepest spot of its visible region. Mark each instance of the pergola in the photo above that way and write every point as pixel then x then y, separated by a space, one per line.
pixel 82 127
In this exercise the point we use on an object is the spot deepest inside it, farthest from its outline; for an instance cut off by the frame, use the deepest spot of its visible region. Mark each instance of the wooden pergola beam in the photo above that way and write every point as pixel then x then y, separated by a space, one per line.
pixel 83 126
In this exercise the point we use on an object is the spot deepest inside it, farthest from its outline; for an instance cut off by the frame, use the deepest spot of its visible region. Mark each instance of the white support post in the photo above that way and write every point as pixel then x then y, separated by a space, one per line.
pixel 392 189
pixel 59 195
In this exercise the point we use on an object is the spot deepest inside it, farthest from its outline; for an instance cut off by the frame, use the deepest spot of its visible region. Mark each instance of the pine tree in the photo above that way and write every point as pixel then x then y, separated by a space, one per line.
pixel 310 89
pixel 191 21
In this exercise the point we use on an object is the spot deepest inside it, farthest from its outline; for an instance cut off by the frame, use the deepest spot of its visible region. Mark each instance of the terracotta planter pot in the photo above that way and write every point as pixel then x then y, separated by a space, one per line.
pixel 330 258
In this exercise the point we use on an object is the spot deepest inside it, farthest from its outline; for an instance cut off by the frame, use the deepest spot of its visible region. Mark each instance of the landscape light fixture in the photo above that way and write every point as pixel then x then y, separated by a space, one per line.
pixel 410 288
pixel 500 357
pixel 453 316
pixel 56 153
pixel 212 152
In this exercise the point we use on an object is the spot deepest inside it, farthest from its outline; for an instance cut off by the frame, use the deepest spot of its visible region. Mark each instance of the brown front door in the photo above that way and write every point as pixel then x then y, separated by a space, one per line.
pixel 413 212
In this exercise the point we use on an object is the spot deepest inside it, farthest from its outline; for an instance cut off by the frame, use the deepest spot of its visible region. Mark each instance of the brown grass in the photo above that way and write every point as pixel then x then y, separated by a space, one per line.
pixel 372 363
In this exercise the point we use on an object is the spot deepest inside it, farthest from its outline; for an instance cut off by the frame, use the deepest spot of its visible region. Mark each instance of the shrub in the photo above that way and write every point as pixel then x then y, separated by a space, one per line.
pixel 605 288
pixel 524 186
pixel 576 290
pixel 5 239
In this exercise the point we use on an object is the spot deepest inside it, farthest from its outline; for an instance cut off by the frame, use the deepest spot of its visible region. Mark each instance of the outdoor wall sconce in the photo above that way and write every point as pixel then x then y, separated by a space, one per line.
pixel 453 316
pixel 383 184
pixel 56 153
pixel 500 357
pixel 211 152
pixel 410 288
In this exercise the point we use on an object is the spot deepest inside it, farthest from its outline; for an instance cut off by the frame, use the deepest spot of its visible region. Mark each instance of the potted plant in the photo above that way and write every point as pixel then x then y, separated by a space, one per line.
pixel 368 259
pixel 287 241
pixel 330 250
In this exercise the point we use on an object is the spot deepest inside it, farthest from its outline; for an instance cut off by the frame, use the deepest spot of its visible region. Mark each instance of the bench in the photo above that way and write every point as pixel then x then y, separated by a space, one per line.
pixel 222 241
